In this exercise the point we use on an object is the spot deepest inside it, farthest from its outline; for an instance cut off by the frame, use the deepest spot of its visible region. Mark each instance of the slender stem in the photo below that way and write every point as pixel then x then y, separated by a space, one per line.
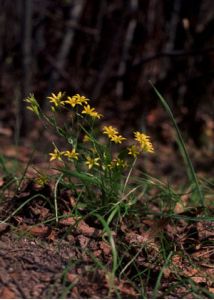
pixel 129 174
pixel 55 198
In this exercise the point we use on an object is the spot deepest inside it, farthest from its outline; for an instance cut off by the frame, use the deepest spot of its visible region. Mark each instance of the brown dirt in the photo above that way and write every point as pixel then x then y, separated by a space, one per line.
pixel 40 261
pixel 34 268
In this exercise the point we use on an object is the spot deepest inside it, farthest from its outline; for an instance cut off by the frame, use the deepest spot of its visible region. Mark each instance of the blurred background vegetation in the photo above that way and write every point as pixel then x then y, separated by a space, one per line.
pixel 108 50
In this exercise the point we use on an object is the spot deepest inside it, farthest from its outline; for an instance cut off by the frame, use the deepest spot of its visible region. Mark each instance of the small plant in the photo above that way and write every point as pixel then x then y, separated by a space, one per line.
pixel 163 224
pixel 97 163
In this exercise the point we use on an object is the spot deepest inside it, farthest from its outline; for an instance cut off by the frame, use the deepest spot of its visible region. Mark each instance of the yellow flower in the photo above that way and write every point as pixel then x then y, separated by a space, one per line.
pixel 56 155
pixel 71 154
pixel 113 134
pixel 77 100
pixel 117 162
pixel 72 101
pixel 33 104
pixel 96 115
pixel 81 99
pixel 110 131
pixel 141 137
pixel 133 150
pixel 144 141
pixel 149 147
pixel 41 180
pixel 56 99
pixel 88 110
pixel 86 138
pixel 90 162
pixel 117 139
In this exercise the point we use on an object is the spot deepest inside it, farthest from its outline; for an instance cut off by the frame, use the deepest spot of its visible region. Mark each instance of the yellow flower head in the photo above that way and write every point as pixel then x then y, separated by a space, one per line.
pixel 72 101
pixel 77 100
pixel 56 99
pixel 149 147
pixel 117 139
pixel 41 180
pixel 33 104
pixel 81 99
pixel 91 162
pixel 88 110
pixel 96 115
pixel 71 154
pixel 56 155
pixel 133 151
pixel 110 131
pixel 113 134
pixel 117 162
pixel 144 141
pixel 86 138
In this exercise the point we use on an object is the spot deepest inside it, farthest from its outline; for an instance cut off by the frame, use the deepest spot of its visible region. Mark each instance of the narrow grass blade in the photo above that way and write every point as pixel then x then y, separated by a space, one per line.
pixel 111 241
pixel 190 169
pixel 21 206
pixel 55 198
pixel 158 282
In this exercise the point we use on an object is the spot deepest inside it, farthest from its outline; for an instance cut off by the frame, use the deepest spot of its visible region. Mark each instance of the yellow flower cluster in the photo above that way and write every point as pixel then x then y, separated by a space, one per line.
pixel 144 142
pixel 57 100
pixel 77 100
pixel 71 155
pixel 117 162
pixel 113 134
pixel 59 154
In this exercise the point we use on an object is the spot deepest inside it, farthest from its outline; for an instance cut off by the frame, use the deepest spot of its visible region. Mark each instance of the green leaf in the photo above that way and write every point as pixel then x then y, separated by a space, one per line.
pixel 190 169
pixel 84 177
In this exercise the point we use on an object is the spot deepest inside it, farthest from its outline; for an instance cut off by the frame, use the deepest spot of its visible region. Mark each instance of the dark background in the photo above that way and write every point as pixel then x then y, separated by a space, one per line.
pixel 108 50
